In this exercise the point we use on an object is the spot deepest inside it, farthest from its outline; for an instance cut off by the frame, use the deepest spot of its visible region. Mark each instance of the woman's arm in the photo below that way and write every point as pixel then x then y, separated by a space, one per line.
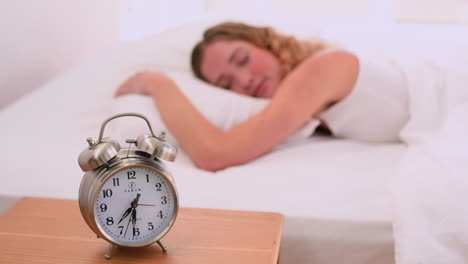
pixel 303 93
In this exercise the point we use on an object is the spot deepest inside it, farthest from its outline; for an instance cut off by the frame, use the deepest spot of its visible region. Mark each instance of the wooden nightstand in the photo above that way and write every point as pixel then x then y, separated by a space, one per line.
pixel 53 231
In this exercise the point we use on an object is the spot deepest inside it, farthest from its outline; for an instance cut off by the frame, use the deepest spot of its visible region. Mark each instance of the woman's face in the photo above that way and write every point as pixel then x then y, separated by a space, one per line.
pixel 241 67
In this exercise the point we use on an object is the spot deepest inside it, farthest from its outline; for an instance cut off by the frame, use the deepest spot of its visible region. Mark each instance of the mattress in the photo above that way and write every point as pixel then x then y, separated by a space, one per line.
pixel 333 192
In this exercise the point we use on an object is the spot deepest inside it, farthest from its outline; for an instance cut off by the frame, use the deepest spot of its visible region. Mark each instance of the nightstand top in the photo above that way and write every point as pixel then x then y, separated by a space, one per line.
pixel 53 231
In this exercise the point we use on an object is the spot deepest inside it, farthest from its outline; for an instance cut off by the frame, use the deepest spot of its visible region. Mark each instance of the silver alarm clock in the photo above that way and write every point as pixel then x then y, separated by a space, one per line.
pixel 128 196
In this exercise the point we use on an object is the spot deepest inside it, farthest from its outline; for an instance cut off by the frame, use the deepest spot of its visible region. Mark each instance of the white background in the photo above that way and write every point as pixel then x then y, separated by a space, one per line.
pixel 41 39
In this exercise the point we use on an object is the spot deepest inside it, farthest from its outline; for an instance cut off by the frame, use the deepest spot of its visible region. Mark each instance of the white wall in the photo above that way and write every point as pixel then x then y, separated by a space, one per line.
pixel 143 17
pixel 432 11
pixel 40 39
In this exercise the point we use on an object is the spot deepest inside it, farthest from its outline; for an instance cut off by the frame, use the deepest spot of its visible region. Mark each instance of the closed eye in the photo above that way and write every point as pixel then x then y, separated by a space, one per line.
pixel 244 60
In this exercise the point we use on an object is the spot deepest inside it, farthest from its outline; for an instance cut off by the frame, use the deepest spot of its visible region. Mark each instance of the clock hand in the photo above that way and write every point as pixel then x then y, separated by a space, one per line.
pixel 129 219
pixel 134 214
pixel 133 204
pixel 146 205
pixel 129 210
pixel 132 209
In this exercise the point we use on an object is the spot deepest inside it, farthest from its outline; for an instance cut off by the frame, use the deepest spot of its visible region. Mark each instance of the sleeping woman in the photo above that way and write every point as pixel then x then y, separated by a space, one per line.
pixel 304 79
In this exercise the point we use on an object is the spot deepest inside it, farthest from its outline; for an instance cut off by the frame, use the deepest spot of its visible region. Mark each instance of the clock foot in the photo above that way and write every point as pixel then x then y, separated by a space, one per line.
pixel 111 251
pixel 161 244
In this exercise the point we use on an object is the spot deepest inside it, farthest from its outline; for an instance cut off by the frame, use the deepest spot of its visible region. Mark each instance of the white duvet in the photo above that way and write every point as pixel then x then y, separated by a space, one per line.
pixel 430 192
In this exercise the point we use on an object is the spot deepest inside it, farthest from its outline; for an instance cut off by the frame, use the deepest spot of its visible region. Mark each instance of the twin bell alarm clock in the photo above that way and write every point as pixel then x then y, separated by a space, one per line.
pixel 128 196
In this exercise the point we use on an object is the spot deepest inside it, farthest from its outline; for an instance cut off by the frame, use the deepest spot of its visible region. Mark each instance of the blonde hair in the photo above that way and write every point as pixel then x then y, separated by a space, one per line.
pixel 290 51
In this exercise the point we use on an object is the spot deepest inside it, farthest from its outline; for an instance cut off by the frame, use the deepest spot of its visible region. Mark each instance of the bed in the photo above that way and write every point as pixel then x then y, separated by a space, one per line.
pixel 335 193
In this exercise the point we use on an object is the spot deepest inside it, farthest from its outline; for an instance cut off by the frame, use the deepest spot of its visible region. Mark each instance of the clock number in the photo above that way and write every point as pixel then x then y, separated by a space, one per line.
pixel 158 187
pixel 110 220
pixel 131 175
pixel 147 178
pixel 121 229
pixel 107 193
pixel 160 214
pixel 136 231
pixel 115 182
pixel 150 226
pixel 103 208
pixel 164 200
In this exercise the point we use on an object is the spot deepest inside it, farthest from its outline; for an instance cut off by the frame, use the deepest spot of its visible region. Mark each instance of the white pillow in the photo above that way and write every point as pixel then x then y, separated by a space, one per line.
pixel 222 108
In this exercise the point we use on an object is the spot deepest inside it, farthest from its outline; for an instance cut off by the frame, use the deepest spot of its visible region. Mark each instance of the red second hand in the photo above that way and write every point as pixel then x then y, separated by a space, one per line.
pixel 146 204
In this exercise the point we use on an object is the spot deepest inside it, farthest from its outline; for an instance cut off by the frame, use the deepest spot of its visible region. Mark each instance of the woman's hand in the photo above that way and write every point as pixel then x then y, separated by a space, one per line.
pixel 145 83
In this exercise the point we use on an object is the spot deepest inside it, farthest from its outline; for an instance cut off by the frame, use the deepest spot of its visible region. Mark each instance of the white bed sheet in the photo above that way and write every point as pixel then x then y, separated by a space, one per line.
pixel 334 193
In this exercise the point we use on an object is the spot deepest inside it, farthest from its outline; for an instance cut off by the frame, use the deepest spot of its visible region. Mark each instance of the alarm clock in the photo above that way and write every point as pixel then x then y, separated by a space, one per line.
pixel 128 196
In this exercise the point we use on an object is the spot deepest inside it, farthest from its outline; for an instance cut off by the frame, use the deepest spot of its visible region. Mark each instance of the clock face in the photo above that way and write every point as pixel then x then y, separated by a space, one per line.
pixel 135 206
